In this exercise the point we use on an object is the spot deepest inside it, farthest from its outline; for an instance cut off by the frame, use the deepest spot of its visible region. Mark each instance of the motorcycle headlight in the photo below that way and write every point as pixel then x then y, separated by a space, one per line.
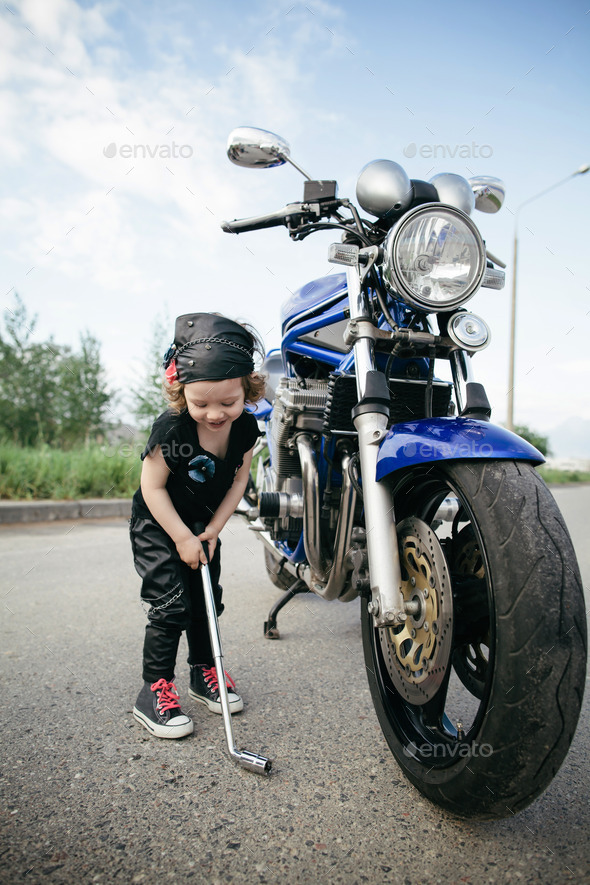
pixel 434 258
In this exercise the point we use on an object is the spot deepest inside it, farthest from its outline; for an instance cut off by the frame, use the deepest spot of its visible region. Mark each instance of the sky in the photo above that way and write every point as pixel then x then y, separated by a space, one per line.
pixel 115 117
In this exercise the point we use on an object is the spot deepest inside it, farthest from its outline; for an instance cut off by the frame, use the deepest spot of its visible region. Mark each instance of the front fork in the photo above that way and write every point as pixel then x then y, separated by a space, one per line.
pixel 387 603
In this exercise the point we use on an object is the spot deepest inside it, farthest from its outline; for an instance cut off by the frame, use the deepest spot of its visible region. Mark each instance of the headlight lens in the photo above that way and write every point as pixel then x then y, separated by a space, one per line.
pixel 434 258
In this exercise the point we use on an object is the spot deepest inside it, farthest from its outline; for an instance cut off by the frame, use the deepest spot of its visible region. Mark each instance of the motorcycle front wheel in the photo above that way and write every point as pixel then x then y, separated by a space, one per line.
pixel 479 691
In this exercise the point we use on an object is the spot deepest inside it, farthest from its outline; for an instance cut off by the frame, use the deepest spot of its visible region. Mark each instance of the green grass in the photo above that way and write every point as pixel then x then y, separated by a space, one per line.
pixel 555 476
pixel 109 472
pixel 88 472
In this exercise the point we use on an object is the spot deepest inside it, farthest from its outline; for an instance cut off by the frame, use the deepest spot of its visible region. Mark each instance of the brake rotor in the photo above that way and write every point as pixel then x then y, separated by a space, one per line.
pixel 416 652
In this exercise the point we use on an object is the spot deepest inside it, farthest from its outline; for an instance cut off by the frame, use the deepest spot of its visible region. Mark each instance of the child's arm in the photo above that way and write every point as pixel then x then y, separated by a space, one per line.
pixel 154 476
pixel 228 505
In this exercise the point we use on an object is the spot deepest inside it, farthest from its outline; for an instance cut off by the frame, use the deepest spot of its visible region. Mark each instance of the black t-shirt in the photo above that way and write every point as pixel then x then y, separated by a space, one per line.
pixel 198 480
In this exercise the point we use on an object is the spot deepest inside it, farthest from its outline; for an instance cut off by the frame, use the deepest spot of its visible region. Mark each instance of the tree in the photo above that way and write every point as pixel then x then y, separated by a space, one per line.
pixel 148 398
pixel 539 442
pixel 48 392
pixel 27 379
pixel 83 397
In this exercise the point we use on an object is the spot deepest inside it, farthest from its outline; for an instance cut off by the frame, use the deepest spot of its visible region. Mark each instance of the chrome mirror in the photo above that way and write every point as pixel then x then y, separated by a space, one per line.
pixel 257 148
pixel 489 193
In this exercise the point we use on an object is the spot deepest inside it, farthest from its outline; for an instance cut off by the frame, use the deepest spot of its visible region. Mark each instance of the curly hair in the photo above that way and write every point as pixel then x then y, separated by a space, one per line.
pixel 254 384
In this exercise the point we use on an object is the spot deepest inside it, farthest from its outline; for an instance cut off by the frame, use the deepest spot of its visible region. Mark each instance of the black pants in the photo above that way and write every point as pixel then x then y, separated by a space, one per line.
pixel 175 593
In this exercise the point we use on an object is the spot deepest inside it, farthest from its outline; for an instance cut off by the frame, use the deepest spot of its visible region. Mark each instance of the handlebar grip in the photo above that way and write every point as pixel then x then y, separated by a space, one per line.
pixel 275 219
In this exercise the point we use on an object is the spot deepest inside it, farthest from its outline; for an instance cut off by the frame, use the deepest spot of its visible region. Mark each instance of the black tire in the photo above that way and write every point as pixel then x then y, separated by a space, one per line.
pixel 514 661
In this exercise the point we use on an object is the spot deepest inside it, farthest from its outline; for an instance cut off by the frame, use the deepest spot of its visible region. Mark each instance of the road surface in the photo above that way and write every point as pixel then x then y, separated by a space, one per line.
pixel 88 796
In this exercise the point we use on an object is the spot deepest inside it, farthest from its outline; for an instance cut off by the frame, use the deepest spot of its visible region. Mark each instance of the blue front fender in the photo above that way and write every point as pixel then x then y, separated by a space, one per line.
pixel 449 439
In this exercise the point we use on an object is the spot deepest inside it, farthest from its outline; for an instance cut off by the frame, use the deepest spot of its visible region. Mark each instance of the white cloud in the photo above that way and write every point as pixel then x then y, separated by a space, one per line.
pixel 65 24
pixel 126 233
pixel 116 234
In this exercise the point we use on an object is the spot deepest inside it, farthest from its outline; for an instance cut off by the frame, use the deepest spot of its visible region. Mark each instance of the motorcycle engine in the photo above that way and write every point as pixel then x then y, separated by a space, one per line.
pixel 299 405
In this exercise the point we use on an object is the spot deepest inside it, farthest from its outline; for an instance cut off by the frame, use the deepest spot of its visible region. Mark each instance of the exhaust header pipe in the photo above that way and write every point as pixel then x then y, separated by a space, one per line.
pixel 328 571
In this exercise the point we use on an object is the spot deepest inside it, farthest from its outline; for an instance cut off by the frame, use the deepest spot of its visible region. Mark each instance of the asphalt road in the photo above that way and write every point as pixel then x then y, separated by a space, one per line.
pixel 89 796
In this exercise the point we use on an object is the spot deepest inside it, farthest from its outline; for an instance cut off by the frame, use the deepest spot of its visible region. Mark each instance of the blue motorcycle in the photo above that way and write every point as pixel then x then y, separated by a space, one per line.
pixel 381 480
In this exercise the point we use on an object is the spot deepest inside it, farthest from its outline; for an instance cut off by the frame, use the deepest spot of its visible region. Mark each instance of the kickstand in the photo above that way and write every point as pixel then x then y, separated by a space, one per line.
pixel 270 626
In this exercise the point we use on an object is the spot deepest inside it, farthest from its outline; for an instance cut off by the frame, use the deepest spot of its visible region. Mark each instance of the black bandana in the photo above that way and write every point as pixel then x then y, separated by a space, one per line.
pixel 208 348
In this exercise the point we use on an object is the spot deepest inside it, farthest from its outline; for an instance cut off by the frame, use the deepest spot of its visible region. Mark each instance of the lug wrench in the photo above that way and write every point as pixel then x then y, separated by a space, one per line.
pixel 252 761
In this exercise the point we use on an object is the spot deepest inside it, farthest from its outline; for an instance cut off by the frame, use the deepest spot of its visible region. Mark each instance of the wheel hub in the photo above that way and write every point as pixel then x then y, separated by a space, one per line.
pixel 416 652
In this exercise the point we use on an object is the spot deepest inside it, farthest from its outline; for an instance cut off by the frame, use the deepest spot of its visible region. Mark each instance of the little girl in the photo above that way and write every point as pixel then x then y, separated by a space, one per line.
pixel 195 470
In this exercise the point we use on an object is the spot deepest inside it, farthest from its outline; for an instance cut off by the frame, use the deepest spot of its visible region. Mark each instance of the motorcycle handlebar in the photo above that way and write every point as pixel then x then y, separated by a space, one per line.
pixel 275 219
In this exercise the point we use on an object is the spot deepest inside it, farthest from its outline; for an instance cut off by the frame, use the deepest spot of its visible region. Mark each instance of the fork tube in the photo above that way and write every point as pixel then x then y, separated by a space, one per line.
pixel 381 534
pixel 462 370
pixel 364 358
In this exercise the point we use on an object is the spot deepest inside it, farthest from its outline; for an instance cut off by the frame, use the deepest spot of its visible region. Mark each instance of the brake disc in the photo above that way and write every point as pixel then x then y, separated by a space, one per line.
pixel 416 653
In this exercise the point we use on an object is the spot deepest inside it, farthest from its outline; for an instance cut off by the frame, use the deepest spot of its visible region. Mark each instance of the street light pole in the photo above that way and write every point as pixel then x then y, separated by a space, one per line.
pixel 510 420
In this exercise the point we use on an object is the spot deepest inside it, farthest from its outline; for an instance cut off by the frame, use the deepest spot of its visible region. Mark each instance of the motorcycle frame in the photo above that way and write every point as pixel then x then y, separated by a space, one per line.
pixel 382 452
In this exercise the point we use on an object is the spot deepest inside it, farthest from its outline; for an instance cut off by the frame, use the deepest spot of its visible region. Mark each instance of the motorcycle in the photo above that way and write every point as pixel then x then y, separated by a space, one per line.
pixel 381 480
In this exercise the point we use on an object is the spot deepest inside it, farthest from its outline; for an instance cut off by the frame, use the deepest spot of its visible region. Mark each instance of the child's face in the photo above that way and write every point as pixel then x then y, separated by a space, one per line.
pixel 215 404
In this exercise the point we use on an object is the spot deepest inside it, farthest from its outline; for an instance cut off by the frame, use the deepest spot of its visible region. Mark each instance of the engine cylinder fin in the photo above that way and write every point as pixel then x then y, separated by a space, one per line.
pixel 406 401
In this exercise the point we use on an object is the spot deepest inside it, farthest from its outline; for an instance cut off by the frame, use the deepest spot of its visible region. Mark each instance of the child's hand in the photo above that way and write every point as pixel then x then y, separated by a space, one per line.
pixel 191 551
pixel 210 536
